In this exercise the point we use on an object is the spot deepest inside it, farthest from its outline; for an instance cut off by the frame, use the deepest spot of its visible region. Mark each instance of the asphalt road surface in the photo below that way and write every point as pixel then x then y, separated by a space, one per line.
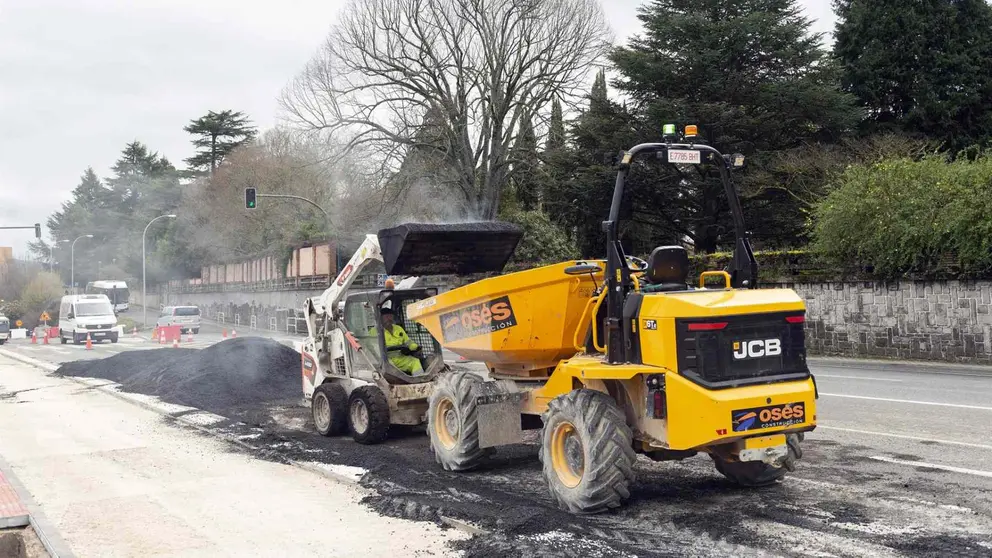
pixel 901 465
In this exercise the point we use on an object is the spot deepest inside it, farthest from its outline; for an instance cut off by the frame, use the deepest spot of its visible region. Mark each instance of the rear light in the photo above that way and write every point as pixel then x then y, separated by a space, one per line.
pixel 707 327
pixel 795 319
pixel 659 405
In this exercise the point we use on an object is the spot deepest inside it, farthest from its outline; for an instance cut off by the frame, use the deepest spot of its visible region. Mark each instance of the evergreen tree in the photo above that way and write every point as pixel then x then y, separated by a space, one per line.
pixel 755 80
pixel 556 129
pixel 527 170
pixel 217 134
pixel 920 67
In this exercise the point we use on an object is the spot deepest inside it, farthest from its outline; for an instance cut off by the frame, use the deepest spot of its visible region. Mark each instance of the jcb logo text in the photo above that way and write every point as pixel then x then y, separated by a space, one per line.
pixel 757 348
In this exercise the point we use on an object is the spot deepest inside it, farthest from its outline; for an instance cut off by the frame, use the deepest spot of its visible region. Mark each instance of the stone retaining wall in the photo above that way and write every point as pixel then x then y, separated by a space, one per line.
pixel 946 320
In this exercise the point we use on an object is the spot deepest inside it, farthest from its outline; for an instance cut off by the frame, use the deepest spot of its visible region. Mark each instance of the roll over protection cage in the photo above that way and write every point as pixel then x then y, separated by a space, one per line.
pixel 620 331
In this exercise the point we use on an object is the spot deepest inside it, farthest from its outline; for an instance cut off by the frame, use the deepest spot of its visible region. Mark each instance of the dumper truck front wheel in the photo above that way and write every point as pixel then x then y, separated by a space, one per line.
pixel 329 409
pixel 587 452
pixel 757 473
pixel 453 422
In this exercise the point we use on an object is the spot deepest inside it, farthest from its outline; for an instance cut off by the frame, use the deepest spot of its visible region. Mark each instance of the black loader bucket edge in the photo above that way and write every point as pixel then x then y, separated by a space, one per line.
pixel 456 249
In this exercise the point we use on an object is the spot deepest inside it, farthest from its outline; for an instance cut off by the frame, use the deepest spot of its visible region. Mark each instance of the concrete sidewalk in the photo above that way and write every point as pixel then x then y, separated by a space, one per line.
pixel 117 480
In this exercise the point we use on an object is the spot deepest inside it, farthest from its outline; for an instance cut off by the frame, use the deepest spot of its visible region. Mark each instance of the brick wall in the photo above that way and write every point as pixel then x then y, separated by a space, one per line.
pixel 947 320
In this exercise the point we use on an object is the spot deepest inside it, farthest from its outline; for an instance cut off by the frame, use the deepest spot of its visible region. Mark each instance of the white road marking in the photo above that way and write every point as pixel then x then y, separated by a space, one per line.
pixel 932 403
pixel 904 437
pixel 857 378
pixel 961 470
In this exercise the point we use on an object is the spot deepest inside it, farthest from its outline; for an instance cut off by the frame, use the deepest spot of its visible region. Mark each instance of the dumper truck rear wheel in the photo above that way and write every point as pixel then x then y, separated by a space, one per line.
pixel 453 422
pixel 757 473
pixel 587 452
pixel 368 415
pixel 329 409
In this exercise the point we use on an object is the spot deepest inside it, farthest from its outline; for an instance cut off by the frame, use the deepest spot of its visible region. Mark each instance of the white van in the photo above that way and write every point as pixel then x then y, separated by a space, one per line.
pixel 87 314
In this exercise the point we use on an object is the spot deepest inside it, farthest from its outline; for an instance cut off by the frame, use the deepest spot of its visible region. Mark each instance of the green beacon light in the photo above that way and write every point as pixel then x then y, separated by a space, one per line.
pixel 669 130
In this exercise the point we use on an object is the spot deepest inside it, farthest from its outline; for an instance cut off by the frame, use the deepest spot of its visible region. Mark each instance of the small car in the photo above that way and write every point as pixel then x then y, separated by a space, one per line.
pixel 186 317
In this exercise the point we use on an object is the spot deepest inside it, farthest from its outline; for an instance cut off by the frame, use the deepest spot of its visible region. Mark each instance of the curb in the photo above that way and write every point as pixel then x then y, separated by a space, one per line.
pixel 922 366
pixel 49 536
pixel 108 387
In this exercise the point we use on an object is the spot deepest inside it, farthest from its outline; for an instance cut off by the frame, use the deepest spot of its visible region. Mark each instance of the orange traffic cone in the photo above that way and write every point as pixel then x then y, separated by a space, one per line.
pixel 175 342
pixel 189 337
pixel 45 339
pixel 234 333
pixel 34 337
pixel 89 342
pixel 161 338
pixel 155 334
pixel 223 333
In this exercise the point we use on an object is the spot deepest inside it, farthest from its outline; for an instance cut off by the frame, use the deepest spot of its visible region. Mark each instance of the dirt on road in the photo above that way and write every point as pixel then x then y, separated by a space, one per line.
pixel 237 378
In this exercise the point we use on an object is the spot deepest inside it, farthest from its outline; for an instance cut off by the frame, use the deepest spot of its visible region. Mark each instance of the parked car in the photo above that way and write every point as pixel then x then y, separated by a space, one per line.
pixel 4 329
pixel 186 317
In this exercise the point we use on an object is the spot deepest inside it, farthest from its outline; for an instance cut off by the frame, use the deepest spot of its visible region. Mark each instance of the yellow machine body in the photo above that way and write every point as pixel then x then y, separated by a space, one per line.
pixel 531 327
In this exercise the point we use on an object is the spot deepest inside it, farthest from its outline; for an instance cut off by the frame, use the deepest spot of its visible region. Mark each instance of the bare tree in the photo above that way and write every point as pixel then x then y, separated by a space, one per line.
pixel 468 69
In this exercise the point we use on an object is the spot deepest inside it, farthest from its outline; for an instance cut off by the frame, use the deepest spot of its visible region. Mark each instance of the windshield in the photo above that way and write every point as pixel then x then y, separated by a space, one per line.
pixel 188 311
pixel 93 309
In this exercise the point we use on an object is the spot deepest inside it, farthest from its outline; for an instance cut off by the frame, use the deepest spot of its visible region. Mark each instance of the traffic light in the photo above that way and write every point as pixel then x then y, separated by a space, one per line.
pixel 249 198
pixel 37 230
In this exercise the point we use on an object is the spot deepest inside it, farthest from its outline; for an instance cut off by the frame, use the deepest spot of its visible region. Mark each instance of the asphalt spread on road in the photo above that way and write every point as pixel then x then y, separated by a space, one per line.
pixel 839 502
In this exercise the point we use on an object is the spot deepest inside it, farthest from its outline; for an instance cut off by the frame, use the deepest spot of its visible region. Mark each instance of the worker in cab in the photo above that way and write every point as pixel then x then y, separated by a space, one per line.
pixel 401 350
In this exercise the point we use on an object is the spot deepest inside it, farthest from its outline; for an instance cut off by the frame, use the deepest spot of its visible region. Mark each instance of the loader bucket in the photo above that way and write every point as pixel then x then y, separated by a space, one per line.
pixel 521 321
pixel 457 249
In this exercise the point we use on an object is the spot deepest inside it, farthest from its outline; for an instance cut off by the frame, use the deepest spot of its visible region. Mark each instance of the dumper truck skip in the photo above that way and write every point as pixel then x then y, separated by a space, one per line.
pixel 621 356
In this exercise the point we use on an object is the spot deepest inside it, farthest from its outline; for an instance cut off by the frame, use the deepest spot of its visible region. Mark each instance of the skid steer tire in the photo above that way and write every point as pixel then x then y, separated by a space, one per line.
pixel 587 452
pixel 368 415
pixel 329 409
pixel 453 423
pixel 754 474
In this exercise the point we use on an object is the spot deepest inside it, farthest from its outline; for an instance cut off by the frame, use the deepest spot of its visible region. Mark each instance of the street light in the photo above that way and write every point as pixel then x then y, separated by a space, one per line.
pixel 144 292
pixel 72 259
pixel 51 255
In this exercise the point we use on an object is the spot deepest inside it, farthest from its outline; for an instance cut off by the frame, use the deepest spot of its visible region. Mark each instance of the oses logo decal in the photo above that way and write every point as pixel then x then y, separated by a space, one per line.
pixel 478 319
pixel 772 416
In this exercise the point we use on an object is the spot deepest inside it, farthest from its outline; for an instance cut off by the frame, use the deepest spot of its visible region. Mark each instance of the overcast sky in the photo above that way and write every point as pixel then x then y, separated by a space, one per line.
pixel 79 79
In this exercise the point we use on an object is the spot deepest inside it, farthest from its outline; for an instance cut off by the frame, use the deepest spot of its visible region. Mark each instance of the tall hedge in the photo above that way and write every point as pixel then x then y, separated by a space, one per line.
pixel 927 217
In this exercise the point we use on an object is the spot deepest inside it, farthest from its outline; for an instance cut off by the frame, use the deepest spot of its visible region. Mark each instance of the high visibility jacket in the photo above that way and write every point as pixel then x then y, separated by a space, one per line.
pixel 397 337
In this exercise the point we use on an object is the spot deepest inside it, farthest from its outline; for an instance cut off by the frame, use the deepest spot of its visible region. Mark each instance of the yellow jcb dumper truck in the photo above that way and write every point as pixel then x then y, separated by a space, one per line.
pixel 618 357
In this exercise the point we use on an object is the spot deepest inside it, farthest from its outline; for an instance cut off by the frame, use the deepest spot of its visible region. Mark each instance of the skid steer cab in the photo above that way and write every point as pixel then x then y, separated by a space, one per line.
pixel 365 364
pixel 617 357
pixel 358 382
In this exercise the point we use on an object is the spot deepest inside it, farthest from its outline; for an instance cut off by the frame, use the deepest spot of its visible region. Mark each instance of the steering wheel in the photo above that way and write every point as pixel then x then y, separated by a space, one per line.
pixel 637 264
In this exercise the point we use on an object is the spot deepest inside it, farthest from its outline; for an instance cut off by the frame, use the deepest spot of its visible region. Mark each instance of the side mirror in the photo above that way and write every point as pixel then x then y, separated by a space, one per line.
pixel 71 316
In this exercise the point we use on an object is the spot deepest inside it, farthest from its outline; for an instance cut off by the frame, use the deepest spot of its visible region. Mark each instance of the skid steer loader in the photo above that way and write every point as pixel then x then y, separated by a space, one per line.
pixel 621 356
pixel 349 379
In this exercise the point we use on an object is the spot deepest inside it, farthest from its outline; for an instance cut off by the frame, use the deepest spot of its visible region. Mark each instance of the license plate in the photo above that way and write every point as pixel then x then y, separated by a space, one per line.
pixel 684 156
pixel 762 442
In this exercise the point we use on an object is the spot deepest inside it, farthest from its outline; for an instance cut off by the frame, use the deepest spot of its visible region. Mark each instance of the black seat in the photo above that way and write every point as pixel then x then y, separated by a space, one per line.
pixel 668 268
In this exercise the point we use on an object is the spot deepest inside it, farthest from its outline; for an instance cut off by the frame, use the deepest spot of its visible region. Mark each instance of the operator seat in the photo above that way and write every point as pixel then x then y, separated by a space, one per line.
pixel 668 268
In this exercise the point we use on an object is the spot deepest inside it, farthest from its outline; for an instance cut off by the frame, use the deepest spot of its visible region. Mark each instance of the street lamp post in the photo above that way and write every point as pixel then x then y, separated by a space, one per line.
pixel 144 291
pixel 72 259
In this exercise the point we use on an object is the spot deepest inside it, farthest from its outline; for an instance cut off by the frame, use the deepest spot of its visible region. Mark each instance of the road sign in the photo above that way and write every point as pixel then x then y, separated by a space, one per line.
pixel 45 317
pixel 380 280
pixel 19 323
